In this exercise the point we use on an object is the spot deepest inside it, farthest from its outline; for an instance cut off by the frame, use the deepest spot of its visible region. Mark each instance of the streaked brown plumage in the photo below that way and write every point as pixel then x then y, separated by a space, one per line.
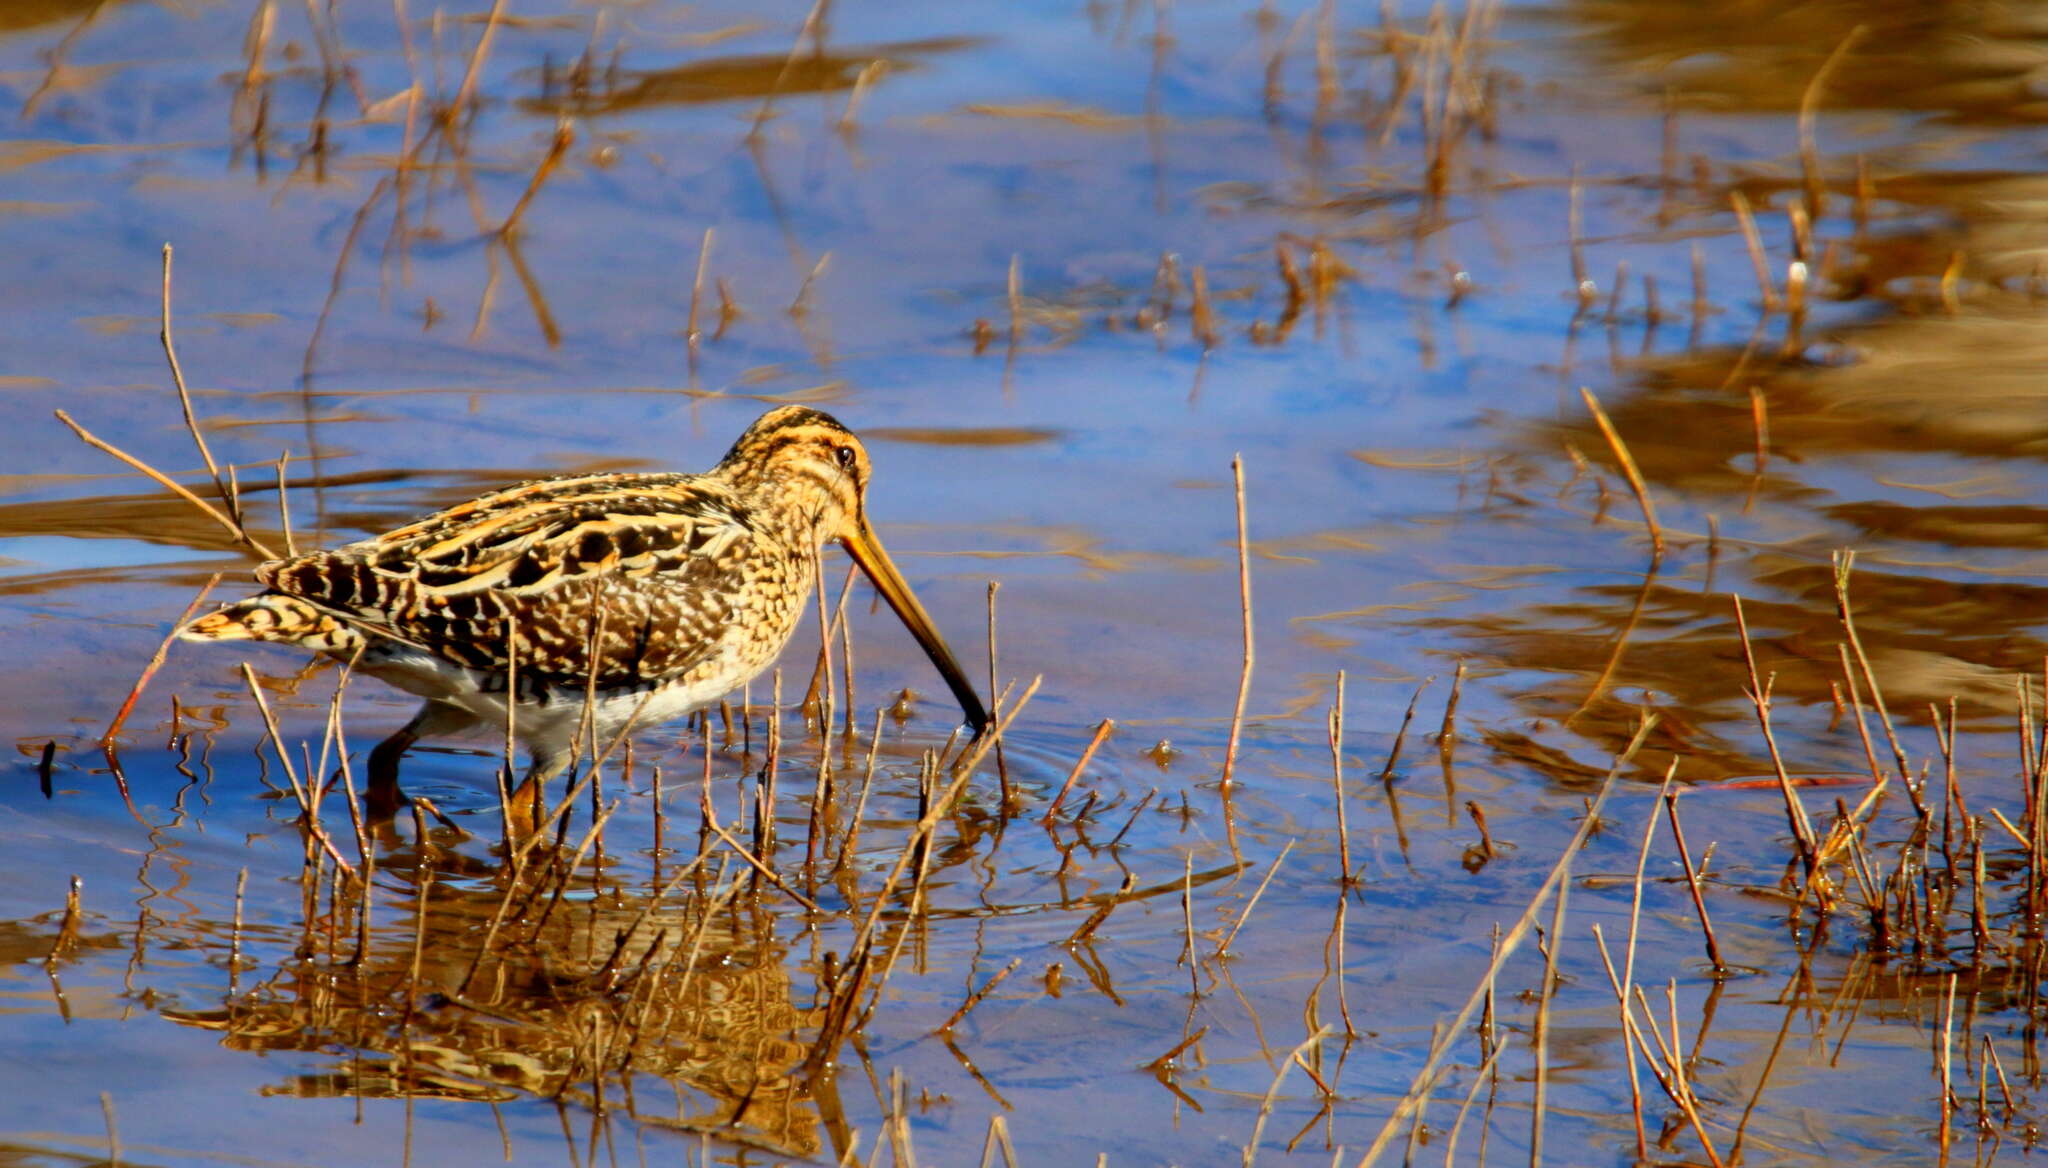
pixel 667 589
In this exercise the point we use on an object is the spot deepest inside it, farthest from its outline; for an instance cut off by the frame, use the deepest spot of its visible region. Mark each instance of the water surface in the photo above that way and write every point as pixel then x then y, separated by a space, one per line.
pixel 420 269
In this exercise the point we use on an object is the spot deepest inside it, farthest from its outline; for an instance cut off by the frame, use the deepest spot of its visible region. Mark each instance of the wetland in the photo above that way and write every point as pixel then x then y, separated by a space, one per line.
pixel 1504 529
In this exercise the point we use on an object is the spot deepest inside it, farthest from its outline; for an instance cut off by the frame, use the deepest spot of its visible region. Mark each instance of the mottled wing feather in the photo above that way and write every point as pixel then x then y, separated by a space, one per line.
pixel 634 573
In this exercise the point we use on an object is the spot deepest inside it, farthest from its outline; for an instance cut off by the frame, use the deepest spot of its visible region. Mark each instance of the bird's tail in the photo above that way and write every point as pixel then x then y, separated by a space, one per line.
pixel 273 616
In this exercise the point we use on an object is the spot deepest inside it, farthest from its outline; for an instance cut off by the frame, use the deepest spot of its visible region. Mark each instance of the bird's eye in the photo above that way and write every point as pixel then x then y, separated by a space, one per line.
pixel 845 456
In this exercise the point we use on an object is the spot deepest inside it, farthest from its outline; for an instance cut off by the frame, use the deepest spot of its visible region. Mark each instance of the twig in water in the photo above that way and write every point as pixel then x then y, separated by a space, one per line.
pixel 307 793
pixel 1671 1074
pixel 233 526
pixel 1401 735
pixel 1946 1061
pixel 1628 968
pixel 1628 467
pixel 1244 590
pixel 1201 317
pixel 156 661
pixel 565 135
pixel 691 333
pixel 1336 728
pixel 1164 1062
pixel 1448 729
pixel 975 999
pixel 1242 917
pixel 227 496
pixel 1845 561
pixel 1760 697
pixel 1692 881
pixel 809 31
pixel 1755 244
pixel 1002 765
pixel 476 62
pixel 861 82
pixel 284 505
pixel 1509 944
pixel 1760 421
pixel 1016 299
pixel 1087 753
pixel 1700 305
pixel 998 1128
pixel 1251 1147
pixel 1546 990
pixel 1809 101
pixel 763 869
pixel 113 1130
pixel 1582 285
pixel 1486 849
pixel 1187 916
pixel 67 930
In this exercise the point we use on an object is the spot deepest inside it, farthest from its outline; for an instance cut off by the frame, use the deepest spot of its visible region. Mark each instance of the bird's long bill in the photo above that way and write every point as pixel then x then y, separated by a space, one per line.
pixel 867 551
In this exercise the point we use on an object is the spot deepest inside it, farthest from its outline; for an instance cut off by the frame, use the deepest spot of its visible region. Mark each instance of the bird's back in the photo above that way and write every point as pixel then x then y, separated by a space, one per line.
pixel 629 579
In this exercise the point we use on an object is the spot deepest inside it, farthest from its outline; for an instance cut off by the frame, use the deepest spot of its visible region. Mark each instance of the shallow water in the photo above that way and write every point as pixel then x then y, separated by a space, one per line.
pixel 1392 218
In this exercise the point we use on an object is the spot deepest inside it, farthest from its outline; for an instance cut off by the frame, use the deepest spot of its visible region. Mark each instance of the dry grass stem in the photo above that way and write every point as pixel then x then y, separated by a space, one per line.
pixel 1946 1064
pixel 1016 300
pixel 1486 849
pixel 809 31
pixel 862 81
pixel 1401 734
pixel 66 939
pixel 1809 102
pixel 693 335
pixel 564 137
pixel 1845 562
pixel 307 795
pixel 232 526
pixel 1509 944
pixel 1164 1062
pixel 1244 592
pixel 975 999
pixel 1692 881
pixel 1088 753
pixel 284 505
pixel 1223 949
pixel 1582 284
pixel 998 1127
pixel 1201 315
pixel 1336 736
pixel 1546 992
pixel 1667 1065
pixel 460 105
pixel 220 485
pixel 1755 243
pixel 1628 468
pixel 1759 692
pixel 1002 765
pixel 1251 1147
pixel 113 1130
pixel 156 661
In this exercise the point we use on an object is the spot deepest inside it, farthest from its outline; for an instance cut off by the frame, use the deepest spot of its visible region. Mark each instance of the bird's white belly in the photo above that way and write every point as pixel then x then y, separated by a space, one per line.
pixel 550 724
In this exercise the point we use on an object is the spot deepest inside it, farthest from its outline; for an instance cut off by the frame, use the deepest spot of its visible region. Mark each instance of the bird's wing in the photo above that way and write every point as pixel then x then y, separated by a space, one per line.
pixel 634 576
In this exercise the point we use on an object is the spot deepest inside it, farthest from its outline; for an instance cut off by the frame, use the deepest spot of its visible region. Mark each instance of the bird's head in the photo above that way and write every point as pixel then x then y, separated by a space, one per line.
pixel 803 463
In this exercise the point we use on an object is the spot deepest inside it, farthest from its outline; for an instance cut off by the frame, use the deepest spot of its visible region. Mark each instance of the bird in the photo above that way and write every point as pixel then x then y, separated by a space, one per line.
pixel 643 597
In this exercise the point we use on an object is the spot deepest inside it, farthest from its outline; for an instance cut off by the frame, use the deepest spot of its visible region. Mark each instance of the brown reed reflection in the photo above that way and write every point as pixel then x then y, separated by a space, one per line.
pixel 668 1006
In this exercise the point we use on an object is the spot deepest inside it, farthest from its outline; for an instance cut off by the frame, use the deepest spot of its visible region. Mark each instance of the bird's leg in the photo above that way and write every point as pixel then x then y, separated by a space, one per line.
pixel 382 798
pixel 525 806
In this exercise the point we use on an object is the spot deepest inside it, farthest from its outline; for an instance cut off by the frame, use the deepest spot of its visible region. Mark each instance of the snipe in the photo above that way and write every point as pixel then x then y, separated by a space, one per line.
pixel 664 589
